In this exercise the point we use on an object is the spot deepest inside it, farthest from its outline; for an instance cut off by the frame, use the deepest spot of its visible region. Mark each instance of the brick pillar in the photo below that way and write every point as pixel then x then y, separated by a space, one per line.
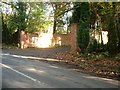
pixel 23 40
pixel 74 45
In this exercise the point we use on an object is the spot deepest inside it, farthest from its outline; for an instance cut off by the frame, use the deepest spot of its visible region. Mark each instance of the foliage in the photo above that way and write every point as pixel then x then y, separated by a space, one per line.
pixel 83 33
pixel 98 63
pixel 93 47
pixel 94 55
pixel 98 55
pixel 103 11
pixel 6 34
pixel 95 15
pixel 28 16
pixel 16 20
pixel 76 13
pixel 117 57
pixel 36 19
pixel 20 16
pixel 31 17
pixel 59 10
pixel 9 46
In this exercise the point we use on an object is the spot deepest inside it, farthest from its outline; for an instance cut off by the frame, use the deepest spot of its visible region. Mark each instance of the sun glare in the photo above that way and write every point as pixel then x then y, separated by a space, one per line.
pixel 44 40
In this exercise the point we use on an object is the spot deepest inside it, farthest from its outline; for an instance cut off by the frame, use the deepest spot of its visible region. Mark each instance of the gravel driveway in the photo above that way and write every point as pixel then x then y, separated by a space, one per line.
pixel 37 52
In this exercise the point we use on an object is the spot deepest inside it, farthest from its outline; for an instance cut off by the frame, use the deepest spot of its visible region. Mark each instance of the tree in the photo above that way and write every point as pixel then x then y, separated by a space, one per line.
pixel 84 20
pixel 90 13
pixel 6 34
pixel 59 9
pixel 17 21
pixel 36 19
pixel 26 16
pixel 76 13
pixel 109 10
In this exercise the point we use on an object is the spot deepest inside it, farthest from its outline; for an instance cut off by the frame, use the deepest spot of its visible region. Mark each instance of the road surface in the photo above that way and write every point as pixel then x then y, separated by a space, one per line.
pixel 23 72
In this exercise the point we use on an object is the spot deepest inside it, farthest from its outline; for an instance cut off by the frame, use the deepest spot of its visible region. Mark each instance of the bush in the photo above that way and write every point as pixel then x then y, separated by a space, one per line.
pixel 83 39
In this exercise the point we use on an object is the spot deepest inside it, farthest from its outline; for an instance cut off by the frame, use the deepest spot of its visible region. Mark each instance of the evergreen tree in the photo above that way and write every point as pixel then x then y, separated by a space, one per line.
pixel 83 33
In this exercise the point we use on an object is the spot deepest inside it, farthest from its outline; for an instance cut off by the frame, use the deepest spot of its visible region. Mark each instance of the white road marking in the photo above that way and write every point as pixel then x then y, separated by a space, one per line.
pixel 29 57
pixel 33 79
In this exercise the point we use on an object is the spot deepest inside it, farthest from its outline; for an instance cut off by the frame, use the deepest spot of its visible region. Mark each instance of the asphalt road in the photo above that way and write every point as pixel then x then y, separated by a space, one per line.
pixel 23 72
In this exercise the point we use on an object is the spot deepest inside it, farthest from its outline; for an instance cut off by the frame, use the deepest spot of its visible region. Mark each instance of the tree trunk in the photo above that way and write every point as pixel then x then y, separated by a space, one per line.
pixel 112 31
pixel 118 32
pixel 112 35
pixel 19 42
pixel 54 26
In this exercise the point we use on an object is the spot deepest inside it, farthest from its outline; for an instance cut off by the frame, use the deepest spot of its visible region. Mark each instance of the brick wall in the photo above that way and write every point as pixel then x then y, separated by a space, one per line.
pixel 70 39
pixel 61 39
